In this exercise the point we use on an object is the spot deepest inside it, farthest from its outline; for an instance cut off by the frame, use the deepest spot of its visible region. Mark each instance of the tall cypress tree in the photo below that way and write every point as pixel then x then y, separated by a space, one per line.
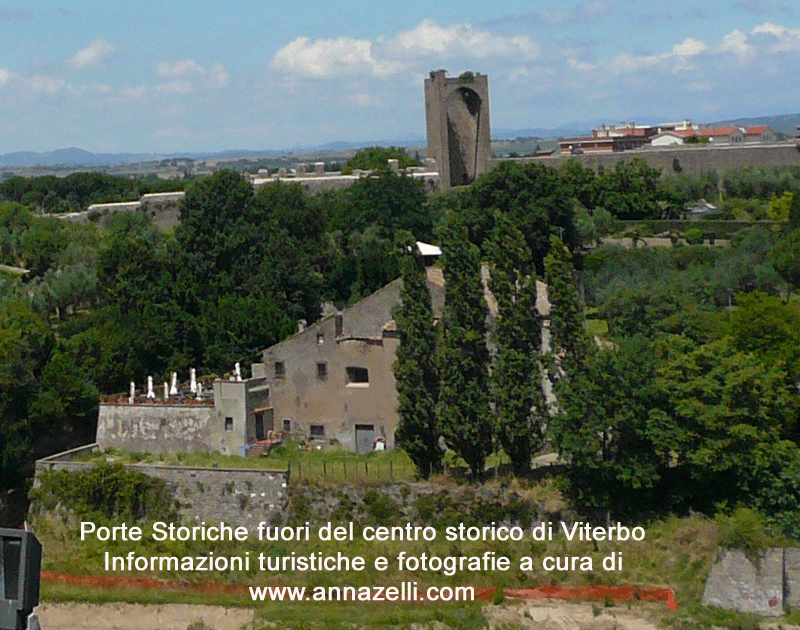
pixel 568 338
pixel 516 383
pixel 416 379
pixel 463 396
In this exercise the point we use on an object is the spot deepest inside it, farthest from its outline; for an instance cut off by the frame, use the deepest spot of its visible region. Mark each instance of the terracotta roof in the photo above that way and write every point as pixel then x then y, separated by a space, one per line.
pixel 683 133
pixel 714 132
pixel 638 132
pixel 587 139
pixel 756 130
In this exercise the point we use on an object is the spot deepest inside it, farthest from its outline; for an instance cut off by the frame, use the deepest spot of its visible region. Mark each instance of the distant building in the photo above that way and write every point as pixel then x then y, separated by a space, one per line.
pixel 608 139
pixel 628 136
pixel 726 134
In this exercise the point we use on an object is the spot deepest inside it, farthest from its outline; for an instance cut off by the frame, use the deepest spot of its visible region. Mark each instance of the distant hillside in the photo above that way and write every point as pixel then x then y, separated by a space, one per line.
pixel 787 123
pixel 572 129
pixel 71 156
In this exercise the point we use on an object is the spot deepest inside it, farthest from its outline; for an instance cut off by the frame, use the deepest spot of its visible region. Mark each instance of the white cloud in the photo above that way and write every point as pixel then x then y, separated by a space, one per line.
pixel 781 38
pixel 689 48
pixel 47 85
pixel 183 76
pixel 92 55
pixel 5 76
pixel 735 42
pixel 324 58
pixel 330 58
pixel 179 86
pixel 179 68
pixel 428 38
pixel 217 76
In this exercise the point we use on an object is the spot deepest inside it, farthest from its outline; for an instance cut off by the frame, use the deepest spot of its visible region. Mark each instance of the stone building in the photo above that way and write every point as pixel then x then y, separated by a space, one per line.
pixel 334 379
pixel 227 423
pixel 458 126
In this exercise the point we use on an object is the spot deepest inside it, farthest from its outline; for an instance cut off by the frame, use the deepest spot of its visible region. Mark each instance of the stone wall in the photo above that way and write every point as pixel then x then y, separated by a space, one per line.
pixel 236 496
pixel 695 159
pixel 762 587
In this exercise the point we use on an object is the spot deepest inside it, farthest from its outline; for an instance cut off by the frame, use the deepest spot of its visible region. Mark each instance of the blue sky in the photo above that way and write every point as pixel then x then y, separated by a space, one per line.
pixel 191 76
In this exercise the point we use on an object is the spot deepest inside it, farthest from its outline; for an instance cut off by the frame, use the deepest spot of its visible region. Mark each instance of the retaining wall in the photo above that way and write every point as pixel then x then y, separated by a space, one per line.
pixel 236 496
pixel 763 587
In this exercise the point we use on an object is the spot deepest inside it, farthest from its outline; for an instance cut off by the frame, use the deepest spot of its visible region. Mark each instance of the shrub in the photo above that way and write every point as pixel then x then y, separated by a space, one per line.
pixel 693 236
pixel 380 508
pixel 744 529
pixel 107 491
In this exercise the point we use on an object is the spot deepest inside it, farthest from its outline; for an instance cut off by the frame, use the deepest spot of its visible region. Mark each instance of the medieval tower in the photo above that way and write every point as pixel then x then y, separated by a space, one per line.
pixel 457 123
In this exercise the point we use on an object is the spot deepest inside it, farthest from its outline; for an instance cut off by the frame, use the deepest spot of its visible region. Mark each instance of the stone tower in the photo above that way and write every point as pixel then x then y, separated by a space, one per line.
pixel 457 122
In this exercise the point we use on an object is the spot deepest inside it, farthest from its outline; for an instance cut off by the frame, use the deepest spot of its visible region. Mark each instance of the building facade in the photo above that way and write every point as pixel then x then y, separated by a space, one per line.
pixel 334 380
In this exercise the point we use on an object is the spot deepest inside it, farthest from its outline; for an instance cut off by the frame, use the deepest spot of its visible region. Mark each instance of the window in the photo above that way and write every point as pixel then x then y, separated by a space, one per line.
pixel 356 376
pixel 317 431
pixel 229 424
pixel 287 425
pixel 320 339
pixel 280 369
pixel 322 371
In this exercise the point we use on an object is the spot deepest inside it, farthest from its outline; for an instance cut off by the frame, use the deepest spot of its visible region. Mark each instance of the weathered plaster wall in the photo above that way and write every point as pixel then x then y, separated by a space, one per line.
pixel 303 397
pixel 160 428
pixel 236 496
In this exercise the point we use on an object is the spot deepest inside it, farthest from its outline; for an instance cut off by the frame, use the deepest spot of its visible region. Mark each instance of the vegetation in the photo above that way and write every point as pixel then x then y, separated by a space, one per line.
pixel 463 360
pixel 78 191
pixel 107 492
pixel 376 159
pixel 516 383
pixel 688 403
pixel 417 379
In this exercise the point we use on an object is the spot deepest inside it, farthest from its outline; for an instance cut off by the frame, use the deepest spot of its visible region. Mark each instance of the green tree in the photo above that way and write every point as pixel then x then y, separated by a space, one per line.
pixel 780 207
pixel 516 382
pixel 785 258
pixel 617 452
pixel 237 251
pixel 731 410
pixel 25 347
pixel 536 198
pixel 64 412
pixel 416 376
pixel 568 338
pixel 463 407
pixel 376 158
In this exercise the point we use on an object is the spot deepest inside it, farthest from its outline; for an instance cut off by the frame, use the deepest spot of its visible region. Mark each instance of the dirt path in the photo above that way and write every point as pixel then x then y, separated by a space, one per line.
pixel 550 616
pixel 120 616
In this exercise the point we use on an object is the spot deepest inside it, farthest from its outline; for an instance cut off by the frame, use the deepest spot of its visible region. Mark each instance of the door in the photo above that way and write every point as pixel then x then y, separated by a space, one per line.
pixel 365 435
pixel 264 422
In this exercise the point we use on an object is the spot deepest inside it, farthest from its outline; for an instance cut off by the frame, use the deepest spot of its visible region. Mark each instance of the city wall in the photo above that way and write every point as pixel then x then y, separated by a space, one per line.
pixel 241 496
pixel 688 159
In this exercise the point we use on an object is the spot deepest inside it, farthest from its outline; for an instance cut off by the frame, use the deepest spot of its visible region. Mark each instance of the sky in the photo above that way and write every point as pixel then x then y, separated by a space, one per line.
pixel 146 76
